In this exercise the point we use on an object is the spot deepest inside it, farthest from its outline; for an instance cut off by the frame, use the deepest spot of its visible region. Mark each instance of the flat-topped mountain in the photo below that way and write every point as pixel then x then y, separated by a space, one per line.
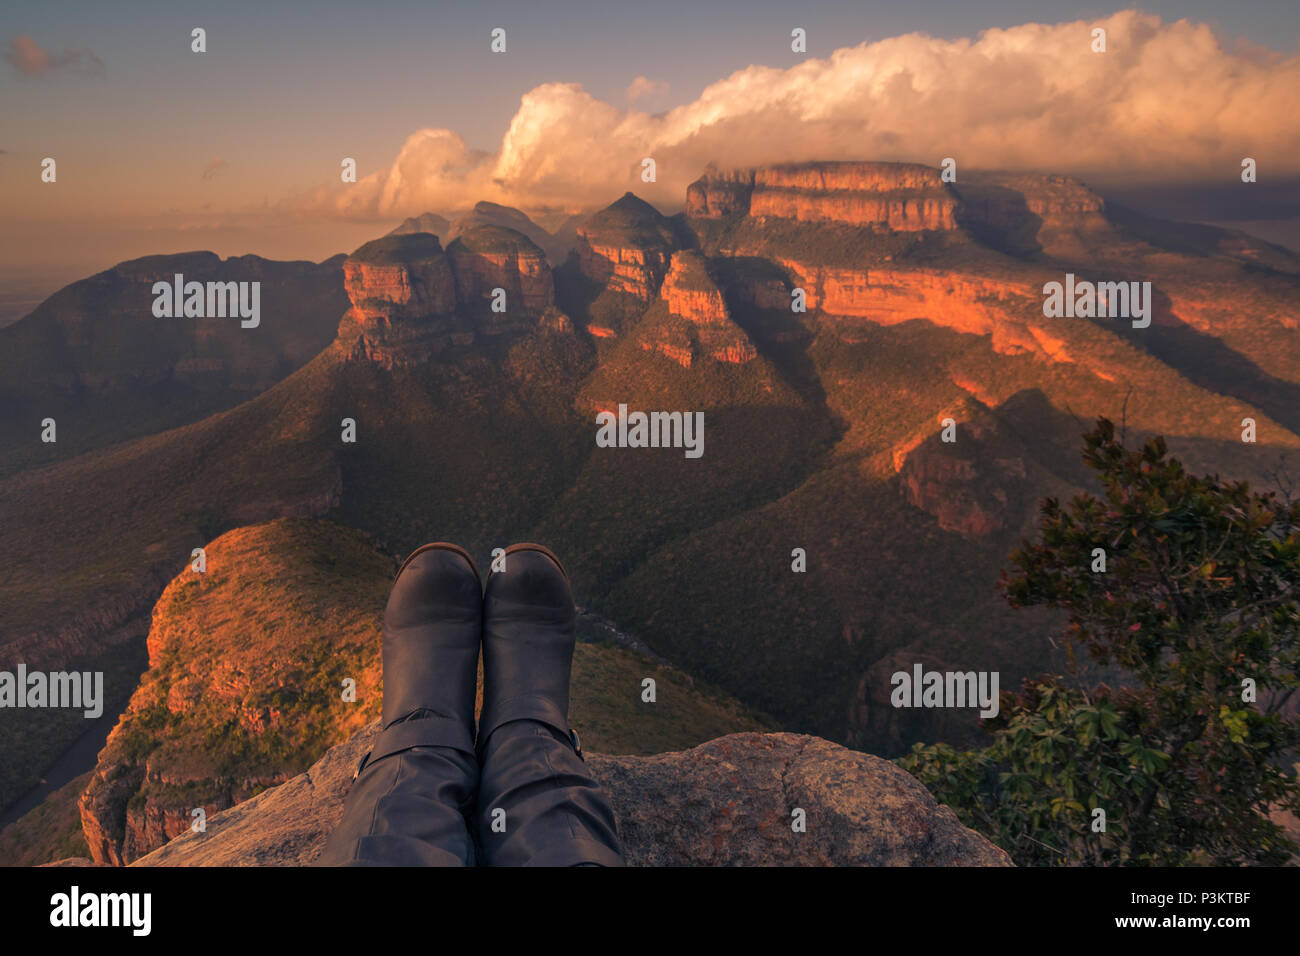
pixel 403 296
pixel 487 258
pixel 924 302
pixel 412 300
pixel 705 329
pixel 901 197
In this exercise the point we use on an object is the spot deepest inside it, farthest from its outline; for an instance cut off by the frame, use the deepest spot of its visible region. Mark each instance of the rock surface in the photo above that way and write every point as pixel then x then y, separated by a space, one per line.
pixel 890 296
pixel 411 300
pixel 904 197
pixel 627 247
pixel 246 662
pixel 236 697
pixel 493 257
pixel 691 294
pixel 403 295
pixel 724 803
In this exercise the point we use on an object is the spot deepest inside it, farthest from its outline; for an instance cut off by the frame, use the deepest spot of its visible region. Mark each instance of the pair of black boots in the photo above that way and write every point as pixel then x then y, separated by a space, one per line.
pixel 430 792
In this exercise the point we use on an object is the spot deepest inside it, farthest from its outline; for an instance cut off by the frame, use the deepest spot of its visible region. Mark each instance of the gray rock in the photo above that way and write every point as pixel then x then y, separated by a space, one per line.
pixel 728 802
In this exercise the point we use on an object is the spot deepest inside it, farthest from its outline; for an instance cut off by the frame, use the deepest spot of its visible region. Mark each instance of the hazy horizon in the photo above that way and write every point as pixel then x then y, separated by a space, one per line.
pixel 238 149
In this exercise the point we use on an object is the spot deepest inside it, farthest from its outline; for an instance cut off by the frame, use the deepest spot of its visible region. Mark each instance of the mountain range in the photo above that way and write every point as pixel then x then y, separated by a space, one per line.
pixel 824 432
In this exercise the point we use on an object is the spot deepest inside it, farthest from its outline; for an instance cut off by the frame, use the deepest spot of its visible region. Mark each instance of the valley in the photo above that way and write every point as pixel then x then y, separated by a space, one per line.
pixel 923 302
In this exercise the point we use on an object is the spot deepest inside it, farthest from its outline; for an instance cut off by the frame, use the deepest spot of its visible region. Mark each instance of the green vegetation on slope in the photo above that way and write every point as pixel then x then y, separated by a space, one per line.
pixel 1196 606
pixel 48 832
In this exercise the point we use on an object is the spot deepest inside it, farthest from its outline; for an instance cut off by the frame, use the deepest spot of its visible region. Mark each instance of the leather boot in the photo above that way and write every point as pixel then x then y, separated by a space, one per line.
pixel 538 805
pixel 412 801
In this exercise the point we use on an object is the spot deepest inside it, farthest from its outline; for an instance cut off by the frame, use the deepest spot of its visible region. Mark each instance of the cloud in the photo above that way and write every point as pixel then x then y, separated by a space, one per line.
pixel 1166 103
pixel 212 168
pixel 27 57
pixel 645 88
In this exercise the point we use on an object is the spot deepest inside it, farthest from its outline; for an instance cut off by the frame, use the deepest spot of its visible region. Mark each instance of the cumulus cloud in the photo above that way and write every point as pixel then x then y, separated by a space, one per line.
pixel 28 58
pixel 1166 102
pixel 644 88
pixel 213 167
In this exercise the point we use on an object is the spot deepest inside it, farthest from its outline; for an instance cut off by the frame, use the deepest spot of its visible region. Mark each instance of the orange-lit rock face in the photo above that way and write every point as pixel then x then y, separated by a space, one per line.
pixel 899 214
pixel 948 489
pixel 899 196
pixel 635 270
pixel 525 277
pixel 382 292
pixel 626 247
pixel 679 351
pixel 691 294
pixel 1053 196
pixel 233 650
pixel 402 306
pixel 720 194
pixel 970 305
pixel 392 308
pixel 848 177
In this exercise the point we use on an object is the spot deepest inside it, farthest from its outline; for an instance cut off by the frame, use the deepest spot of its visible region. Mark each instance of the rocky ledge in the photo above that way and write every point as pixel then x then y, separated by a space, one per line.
pixel 728 802
pixel 904 197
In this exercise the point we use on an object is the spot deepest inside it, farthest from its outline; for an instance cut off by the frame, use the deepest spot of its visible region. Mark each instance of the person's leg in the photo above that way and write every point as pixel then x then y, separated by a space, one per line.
pixel 537 805
pixel 414 794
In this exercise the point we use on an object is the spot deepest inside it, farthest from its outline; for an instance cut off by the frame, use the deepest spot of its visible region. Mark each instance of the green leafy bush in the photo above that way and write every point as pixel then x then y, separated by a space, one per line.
pixel 1198 610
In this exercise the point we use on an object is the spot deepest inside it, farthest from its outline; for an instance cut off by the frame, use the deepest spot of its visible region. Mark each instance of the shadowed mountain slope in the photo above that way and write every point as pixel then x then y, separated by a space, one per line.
pixel 822 428
pixel 95 358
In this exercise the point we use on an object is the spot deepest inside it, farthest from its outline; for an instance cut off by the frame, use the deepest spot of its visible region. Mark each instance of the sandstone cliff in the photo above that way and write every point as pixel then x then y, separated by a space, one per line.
pixel 1028 213
pixel 724 803
pixel 691 294
pixel 1001 309
pixel 403 295
pixel 627 247
pixel 986 481
pixel 904 197
pixel 492 257
pixel 412 301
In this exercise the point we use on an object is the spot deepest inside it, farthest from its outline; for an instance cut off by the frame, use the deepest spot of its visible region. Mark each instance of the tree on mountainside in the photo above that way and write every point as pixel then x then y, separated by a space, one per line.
pixel 1198 607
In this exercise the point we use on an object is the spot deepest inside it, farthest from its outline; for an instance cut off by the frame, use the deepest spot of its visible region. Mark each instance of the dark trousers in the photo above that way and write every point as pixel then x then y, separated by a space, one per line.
pixel 533 803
